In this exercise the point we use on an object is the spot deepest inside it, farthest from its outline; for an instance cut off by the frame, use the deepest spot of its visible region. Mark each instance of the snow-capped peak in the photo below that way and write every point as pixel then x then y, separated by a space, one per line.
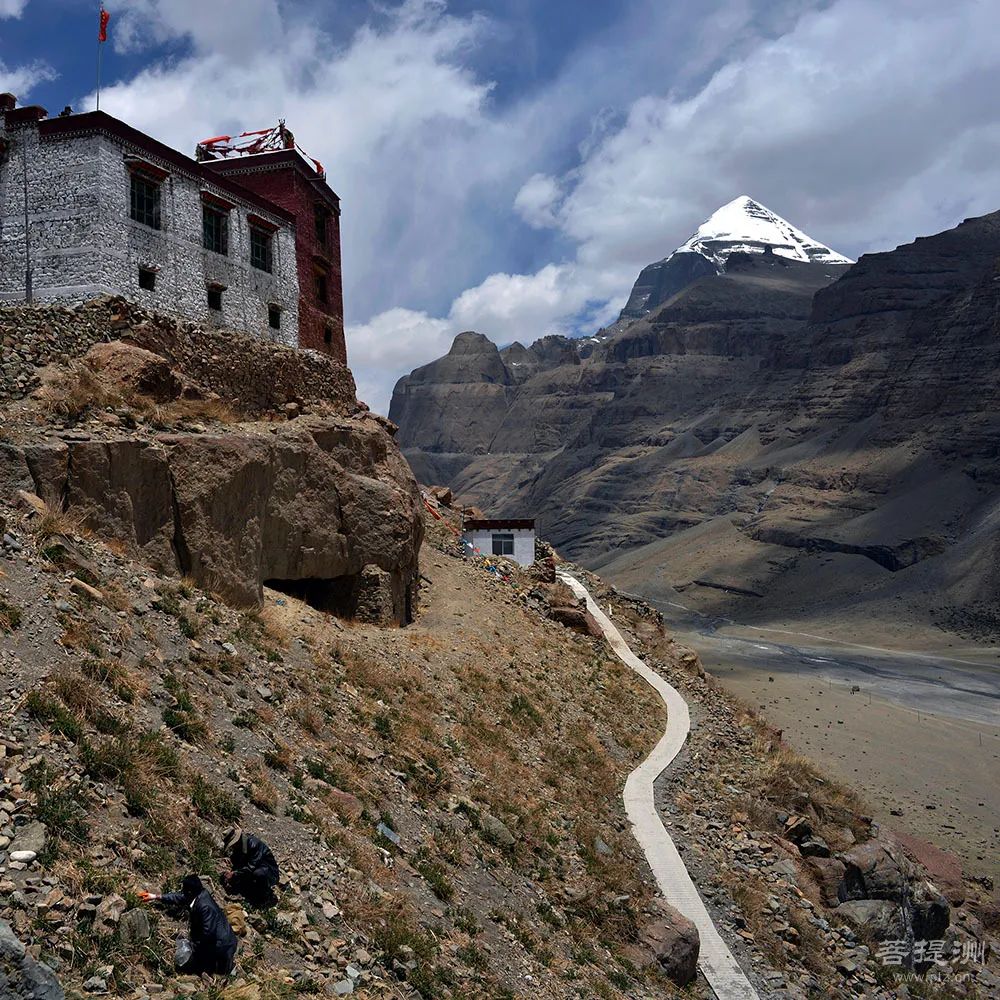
pixel 746 225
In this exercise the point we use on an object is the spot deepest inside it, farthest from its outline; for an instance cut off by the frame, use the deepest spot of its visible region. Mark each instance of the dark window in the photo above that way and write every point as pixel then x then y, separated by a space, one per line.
pixel 215 228
pixel 274 317
pixel 328 335
pixel 322 218
pixel 503 545
pixel 145 201
pixel 321 287
pixel 215 299
pixel 260 249
pixel 147 279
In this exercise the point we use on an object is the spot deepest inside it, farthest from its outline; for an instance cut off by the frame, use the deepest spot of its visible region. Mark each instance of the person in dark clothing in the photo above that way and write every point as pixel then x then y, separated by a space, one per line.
pixel 255 870
pixel 212 939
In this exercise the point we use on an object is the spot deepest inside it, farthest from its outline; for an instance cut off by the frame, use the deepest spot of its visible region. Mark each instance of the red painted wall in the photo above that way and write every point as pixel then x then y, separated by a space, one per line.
pixel 297 188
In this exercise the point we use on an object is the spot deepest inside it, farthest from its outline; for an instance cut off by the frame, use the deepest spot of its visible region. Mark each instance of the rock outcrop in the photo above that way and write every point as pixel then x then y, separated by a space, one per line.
pixel 234 462
pixel 21 976
pixel 313 506
pixel 673 941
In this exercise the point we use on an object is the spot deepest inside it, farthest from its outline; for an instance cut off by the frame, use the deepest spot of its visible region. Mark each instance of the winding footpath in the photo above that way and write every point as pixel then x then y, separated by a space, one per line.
pixel 715 959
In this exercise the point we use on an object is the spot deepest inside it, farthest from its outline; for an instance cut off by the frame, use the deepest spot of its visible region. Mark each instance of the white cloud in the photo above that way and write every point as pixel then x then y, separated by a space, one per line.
pixel 394 341
pixel 229 27
pixel 18 80
pixel 538 200
pixel 12 8
pixel 864 124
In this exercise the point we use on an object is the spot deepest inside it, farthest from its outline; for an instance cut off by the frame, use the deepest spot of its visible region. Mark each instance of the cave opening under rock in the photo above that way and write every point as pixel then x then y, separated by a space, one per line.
pixel 337 595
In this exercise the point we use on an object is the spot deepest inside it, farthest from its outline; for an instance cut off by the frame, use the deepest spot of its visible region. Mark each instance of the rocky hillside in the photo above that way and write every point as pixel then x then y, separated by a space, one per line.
pixel 768 441
pixel 444 798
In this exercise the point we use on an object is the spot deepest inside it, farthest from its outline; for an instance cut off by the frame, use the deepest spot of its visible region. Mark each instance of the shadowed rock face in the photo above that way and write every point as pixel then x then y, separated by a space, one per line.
pixel 324 502
pixel 659 282
pixel 21 976
pixel 814 441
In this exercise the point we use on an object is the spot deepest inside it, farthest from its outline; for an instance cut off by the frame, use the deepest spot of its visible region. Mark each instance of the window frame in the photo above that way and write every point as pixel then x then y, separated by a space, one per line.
pixel 222 216
pixel 261 237
pixel 145 200
pixel 322 282
pixel 321 223
pixel 501 539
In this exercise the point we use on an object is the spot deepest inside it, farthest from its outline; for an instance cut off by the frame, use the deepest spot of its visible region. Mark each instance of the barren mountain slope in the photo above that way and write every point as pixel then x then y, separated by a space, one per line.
pixel 822 454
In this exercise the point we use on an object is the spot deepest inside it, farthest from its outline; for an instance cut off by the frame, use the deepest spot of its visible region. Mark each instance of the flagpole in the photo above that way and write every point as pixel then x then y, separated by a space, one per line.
pixel 100 49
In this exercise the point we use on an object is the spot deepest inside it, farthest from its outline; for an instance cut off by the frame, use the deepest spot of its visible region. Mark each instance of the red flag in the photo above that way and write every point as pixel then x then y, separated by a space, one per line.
pixel 102 35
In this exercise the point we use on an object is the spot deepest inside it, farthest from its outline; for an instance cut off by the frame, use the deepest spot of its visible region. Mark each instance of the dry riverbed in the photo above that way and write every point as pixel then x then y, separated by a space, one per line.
pixel 927 766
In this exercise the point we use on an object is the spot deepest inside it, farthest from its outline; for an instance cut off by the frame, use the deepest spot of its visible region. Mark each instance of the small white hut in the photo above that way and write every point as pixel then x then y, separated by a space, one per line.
pixel 512 538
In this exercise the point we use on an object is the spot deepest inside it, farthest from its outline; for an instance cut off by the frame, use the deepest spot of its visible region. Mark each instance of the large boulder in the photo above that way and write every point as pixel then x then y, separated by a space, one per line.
pixel 672 941
pixel 876 869
pixel 829 873
pixel 129 370
pixel 30 837
pixel 21 977
pixel 324 508
pixel 930 913
pixel 567 609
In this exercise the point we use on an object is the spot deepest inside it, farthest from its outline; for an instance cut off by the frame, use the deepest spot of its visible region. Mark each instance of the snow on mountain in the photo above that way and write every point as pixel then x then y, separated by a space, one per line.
pixel 746 225
pixel 742 226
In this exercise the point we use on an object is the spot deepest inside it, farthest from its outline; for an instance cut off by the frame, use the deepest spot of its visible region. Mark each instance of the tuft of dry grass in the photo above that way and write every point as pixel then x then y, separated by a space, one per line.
pixel 180 411
pixel 73 393
pixel 274 626
pixel 260 789
pixel 54 523
pixel 10 615
pixel 305 714
pixel 279 757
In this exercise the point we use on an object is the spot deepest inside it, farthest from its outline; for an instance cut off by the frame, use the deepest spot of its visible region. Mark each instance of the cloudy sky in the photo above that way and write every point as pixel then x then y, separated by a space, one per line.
pixel 509 165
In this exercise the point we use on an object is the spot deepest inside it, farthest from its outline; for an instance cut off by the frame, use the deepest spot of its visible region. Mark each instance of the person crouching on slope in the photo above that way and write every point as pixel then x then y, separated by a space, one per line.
pixel 254 868
pixel 213 943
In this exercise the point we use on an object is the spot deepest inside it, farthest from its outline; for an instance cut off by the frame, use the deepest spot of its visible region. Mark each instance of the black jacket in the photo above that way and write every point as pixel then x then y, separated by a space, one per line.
pixel 211 936
pixel 257 860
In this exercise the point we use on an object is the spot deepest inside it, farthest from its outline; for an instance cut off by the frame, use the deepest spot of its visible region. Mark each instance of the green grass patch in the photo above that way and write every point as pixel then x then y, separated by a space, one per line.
pixel 213 803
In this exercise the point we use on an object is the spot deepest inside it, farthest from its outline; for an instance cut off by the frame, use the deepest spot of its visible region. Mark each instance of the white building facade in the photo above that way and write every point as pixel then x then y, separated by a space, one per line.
pixel 91 206
pixel 512 539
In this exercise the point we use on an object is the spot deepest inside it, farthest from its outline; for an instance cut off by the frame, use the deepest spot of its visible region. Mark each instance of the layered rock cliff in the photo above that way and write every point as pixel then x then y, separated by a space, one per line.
pixel 769 430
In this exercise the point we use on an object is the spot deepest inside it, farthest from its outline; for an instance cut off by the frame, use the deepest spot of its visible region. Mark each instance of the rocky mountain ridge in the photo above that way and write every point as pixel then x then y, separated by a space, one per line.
pixel 818 443
pixel 742 226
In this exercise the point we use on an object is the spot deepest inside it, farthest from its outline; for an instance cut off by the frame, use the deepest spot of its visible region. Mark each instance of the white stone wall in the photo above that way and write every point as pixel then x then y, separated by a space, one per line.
pixel 84 242
pixel 524 543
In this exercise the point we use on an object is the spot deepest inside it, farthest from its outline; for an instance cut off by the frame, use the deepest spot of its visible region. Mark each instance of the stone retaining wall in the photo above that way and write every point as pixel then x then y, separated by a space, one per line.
pixel 254 374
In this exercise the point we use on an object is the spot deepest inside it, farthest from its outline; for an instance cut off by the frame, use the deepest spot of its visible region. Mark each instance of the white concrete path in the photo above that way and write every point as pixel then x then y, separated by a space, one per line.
pixel 715 959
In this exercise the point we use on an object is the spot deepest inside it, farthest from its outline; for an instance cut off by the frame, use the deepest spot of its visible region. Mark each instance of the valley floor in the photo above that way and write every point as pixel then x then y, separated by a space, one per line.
pixel 920 738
